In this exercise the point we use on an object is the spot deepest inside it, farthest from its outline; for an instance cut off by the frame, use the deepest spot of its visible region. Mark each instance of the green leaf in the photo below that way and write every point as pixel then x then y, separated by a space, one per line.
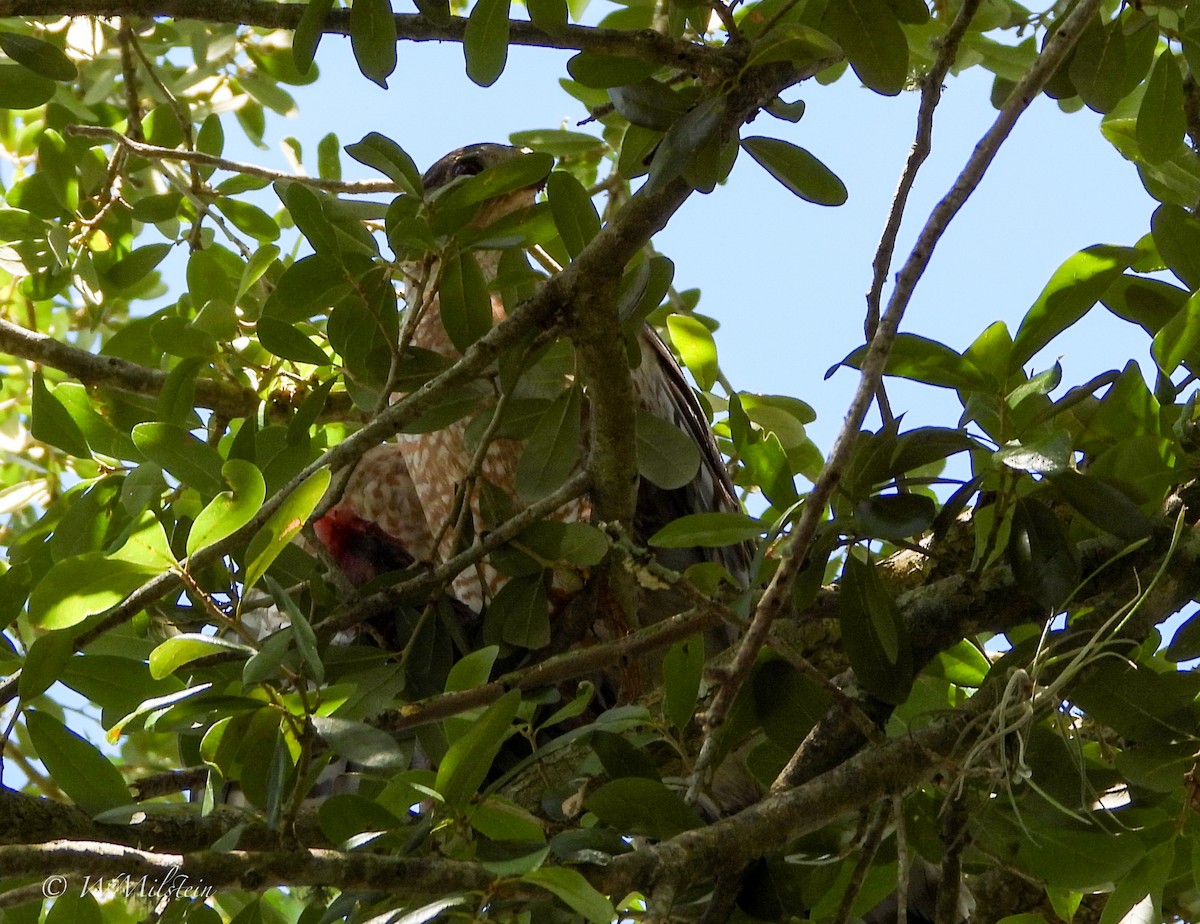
pixel 574 214
pixel 77 767
pixel 1161 121
pixel 230 510
pixel 604 71
pixel 708 530
pixel 576 892
pixel 135 266
pixel 874 633
pixel 649 103
pixel 41 57
pixel 383 154
pixel 464 303
pixel 469 759
pixel 1071 292
pixel 1177 237
pixel 797 169
pixel 76 588
pixel 683 667
pixel 373 39
pixel 53 424
pixel 188 458
pixel 522 609
pixel 551 453
pixel 179 650
pixel 870 34
pixel 361 743
pixel 893 517
pixel 579 544
pixel 285 341
pixel 262 260
pixel 637 806
pixel 1043 558
pixel 799 45
pixel 558 142
pixel 20 88
pixel 667 457
pixel 548 15
pixel 1179 339
pixel 1104 505
pixel 306 287
pixel 485 41
pixel 1044 455
pixel 1098 66
pixel 695 343
pixel 283 525
pixel 45 663
pixel 249 218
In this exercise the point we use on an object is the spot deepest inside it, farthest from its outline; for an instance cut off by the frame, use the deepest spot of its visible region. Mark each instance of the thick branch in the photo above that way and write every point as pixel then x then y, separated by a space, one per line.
pixel 644 45
pixel 113 372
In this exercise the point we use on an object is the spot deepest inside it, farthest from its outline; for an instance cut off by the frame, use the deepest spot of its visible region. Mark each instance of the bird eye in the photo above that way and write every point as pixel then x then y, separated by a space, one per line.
pixel 467 166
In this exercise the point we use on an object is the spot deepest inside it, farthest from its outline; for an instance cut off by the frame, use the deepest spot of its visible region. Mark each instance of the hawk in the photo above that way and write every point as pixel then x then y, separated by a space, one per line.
pixel 403 501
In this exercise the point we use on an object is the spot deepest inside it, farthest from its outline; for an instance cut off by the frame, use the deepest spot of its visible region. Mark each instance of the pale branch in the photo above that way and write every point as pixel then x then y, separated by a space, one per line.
pixel 643 44
pixel 774 600
pixel 931 95
pixel 156 152
pixel 114 372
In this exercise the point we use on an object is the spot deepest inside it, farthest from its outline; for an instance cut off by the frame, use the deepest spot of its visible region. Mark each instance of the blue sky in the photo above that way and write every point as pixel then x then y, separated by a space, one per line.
pixel 788 278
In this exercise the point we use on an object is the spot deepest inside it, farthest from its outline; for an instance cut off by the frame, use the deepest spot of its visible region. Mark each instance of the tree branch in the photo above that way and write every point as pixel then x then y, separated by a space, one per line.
pixel 778 592
pixel 644 44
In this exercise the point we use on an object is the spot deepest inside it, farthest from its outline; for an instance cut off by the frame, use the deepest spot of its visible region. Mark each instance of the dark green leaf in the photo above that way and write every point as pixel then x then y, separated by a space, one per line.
pixel 637 806
pixel 41 57
pixel 361 743
pixel 308 33
pixel 797 169
pixel 485 41
pixel 708 530
pixel 1179 339
pixel 870 34
pixel 552 451
pixel 465 305
pixel 469 759
pixel 52 423
pixel 522 609
pixel 1161 121
pixel 306 288
pixel 1098 65
pixel 683 667
pixel 1104 505
pixel 574 214
pixel 649 103
pixel 189 459
pixel 285 341
pixel 667 457
pixel 574 891
pixel 45 663
pixel 78 768
pixel 797 44
pixel 548 15
pixel 22 89
pixel 604 71
pixel 893 517
pixel 924 360
pixel 874 633
pixel 579 544
pixel 382 153
pixel 134 267
pixel 1043 558
pixel 373 38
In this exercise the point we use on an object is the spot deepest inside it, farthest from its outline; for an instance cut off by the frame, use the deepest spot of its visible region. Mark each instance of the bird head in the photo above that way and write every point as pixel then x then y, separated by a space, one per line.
pixel 502 177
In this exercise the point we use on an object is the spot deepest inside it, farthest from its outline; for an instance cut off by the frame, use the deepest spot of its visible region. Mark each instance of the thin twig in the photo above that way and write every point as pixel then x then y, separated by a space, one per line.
pixel 199 158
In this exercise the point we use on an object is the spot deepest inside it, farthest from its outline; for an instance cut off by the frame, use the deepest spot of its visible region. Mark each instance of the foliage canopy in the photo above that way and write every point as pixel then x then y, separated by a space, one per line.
pixel 197 349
